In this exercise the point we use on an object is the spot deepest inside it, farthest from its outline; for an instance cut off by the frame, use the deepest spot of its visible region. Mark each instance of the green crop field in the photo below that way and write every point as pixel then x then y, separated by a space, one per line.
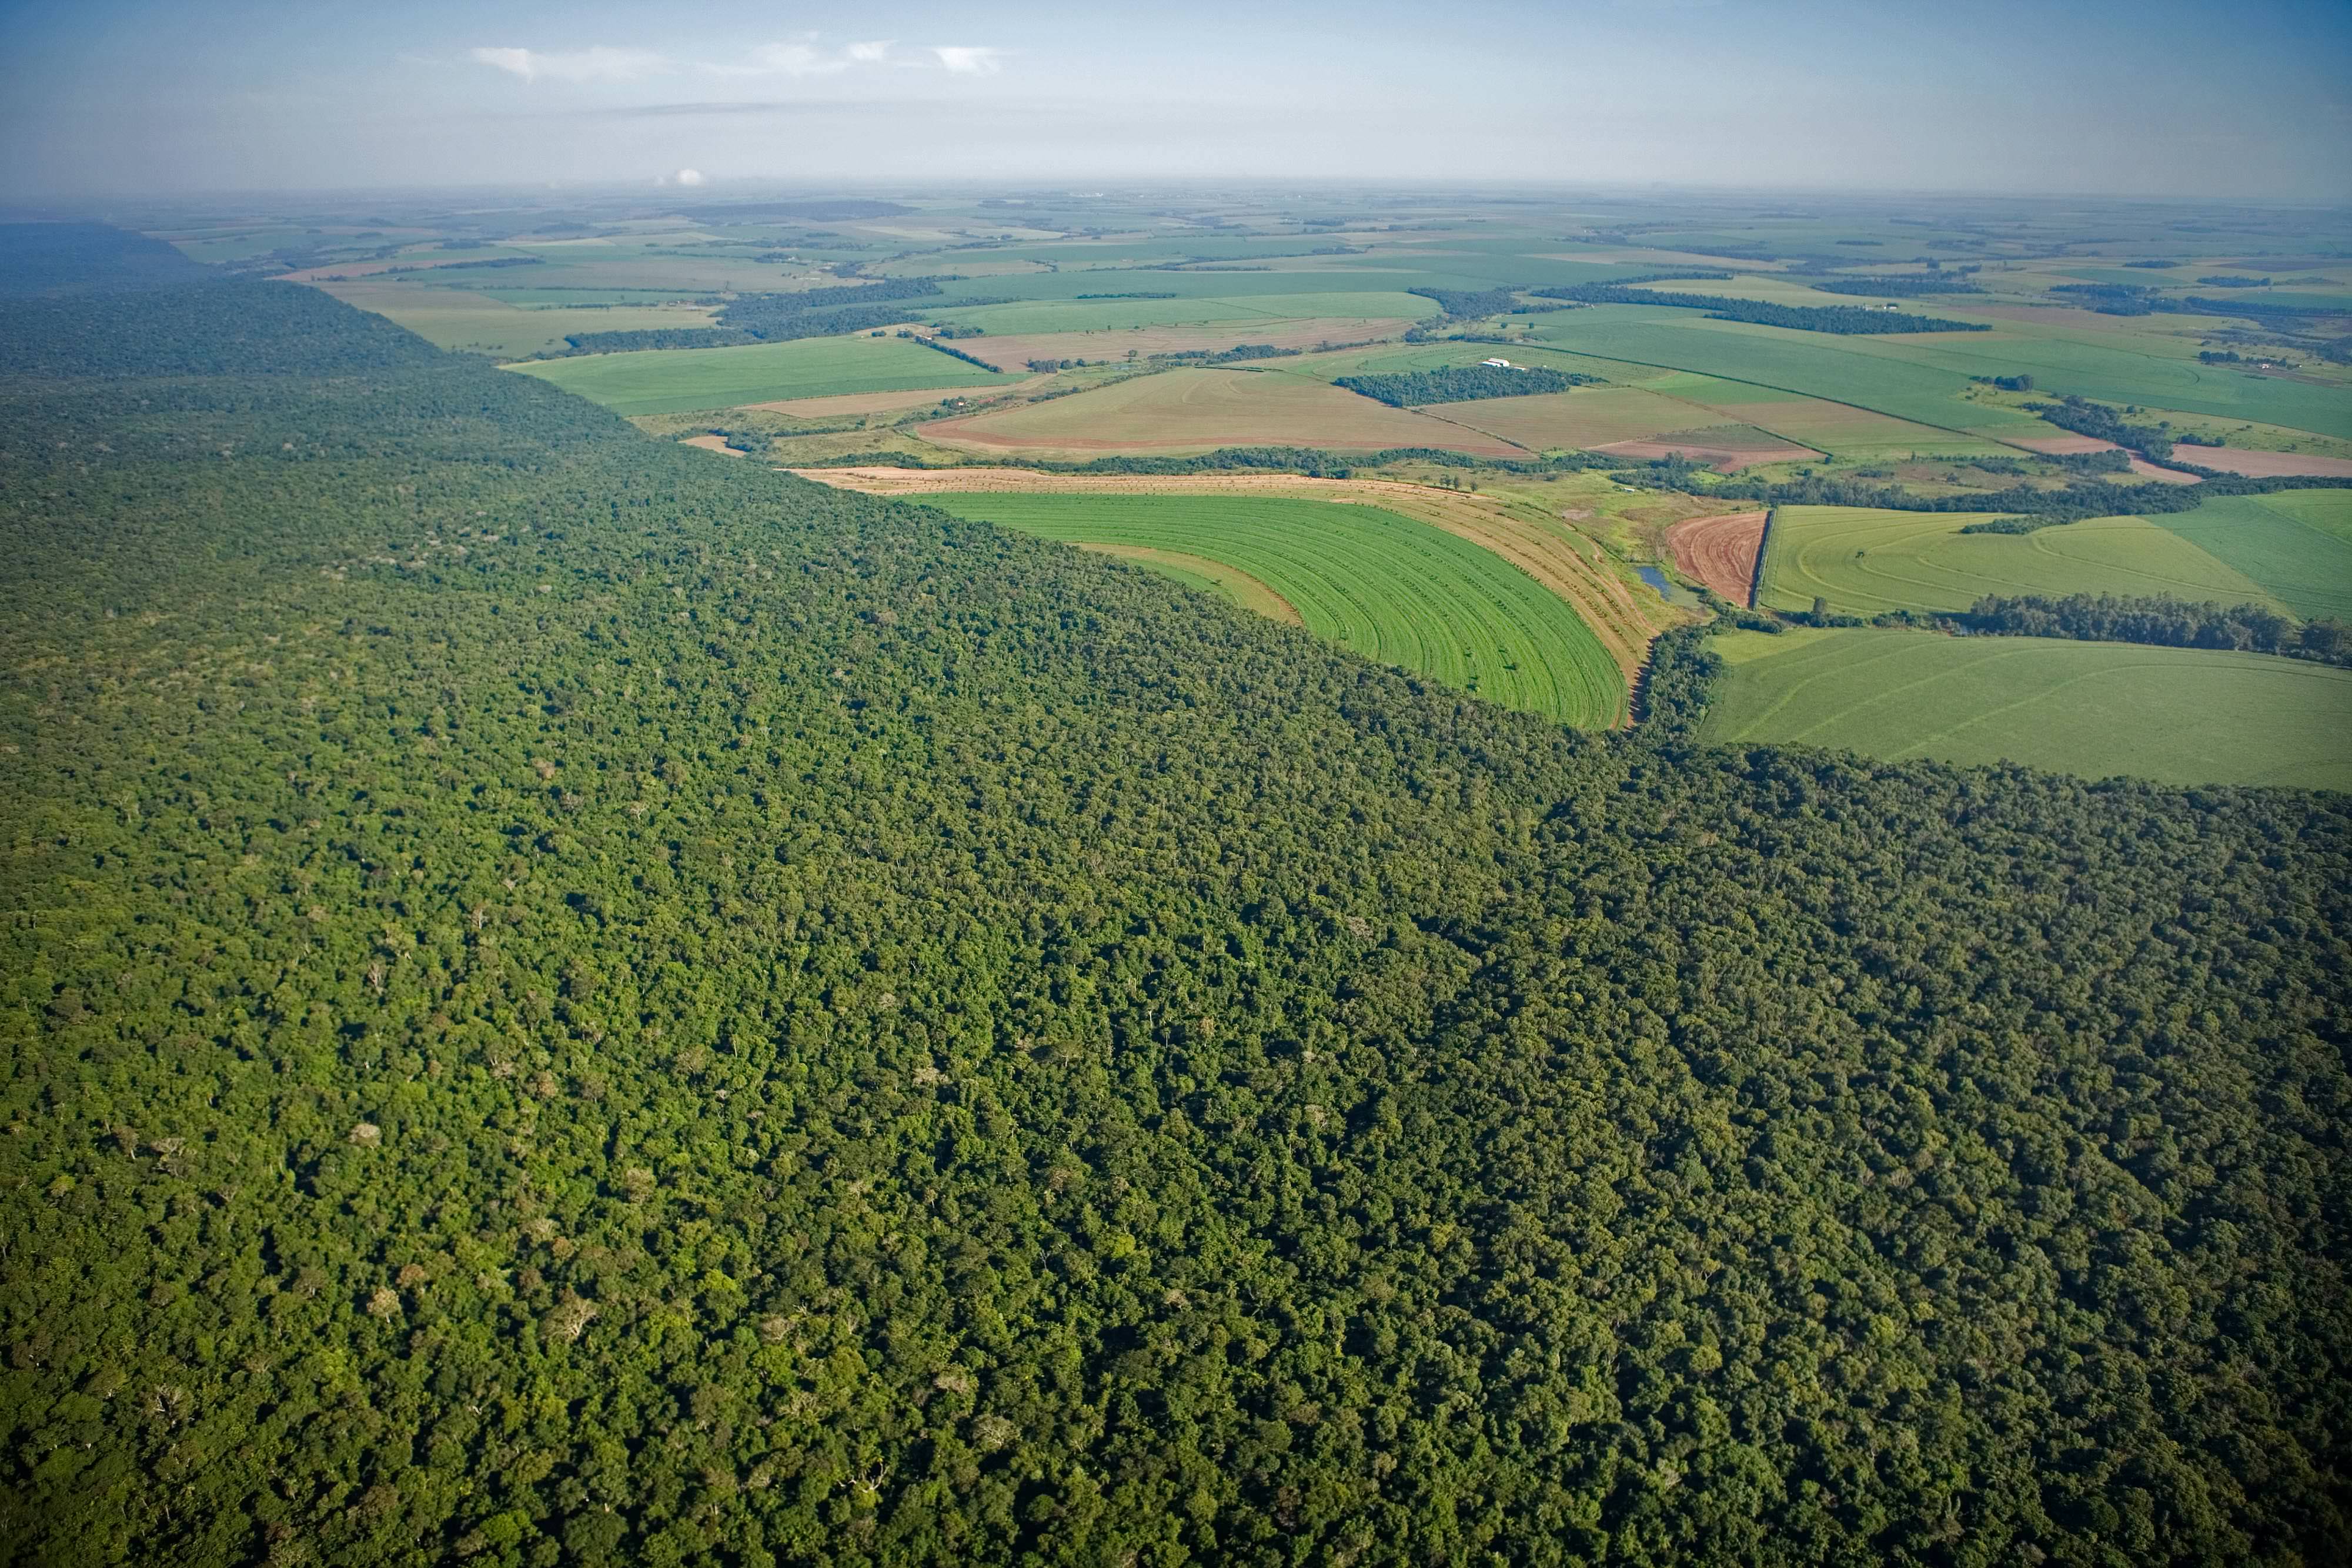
pixel 2182 715
pixel 1866 561
pixel 1925 378
pixel 2296 543
pixel 679 380
pixel 1857 371
pixel 1389 588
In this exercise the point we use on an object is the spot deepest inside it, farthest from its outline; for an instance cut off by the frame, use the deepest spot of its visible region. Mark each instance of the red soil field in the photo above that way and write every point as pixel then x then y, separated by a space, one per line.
pixel 1719 551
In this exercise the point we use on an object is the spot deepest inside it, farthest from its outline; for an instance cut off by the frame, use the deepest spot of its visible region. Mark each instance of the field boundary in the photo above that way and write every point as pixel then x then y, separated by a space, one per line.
pixel 1763 549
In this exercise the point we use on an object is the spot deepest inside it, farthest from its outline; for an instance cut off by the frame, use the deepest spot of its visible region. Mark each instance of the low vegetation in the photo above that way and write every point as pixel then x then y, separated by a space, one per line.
pixel 2094 709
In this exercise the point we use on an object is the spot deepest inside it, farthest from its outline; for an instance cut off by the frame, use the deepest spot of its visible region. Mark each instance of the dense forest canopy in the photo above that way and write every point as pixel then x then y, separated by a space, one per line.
pixel 1462 383
pixel 569 1001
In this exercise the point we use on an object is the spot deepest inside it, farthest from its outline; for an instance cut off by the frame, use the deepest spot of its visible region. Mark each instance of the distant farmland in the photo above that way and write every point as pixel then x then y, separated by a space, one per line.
pixel 1864 562
pixel 1194 410
pixel 1394 590
pixel 682 380
pixel 2181 715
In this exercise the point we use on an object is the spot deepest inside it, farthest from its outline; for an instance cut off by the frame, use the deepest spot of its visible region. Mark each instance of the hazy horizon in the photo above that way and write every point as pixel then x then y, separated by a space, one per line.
pixel 2168 101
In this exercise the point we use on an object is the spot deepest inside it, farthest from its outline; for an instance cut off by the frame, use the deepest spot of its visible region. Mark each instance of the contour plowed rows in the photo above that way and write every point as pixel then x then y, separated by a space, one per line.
pixel 1394 590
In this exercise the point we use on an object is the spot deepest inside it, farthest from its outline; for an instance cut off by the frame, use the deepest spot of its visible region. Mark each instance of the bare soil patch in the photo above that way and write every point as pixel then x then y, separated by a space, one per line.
pixel 2263 464
pixel 2146 470
pixel 713 444
pixel 1721 551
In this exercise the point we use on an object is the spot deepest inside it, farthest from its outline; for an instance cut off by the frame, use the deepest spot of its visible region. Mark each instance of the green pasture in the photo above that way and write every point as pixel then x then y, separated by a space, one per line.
pixel 1392 588
pixel 1816 364
pixel 678 380
pixel 2295 543
pixel 1927 378
pixel 1866 561
pixel 2181 715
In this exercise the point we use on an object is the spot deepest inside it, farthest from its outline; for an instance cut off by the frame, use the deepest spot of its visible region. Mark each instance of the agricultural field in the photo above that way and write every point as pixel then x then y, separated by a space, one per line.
pixel 462 319
pixel 1111 344
pixel 1199 410
pixel 1525 525
pixel 2297 544
pixel 676 382
pixel 1392 588
pixel 1864 561
pixel 1860 371
pixel 2181 715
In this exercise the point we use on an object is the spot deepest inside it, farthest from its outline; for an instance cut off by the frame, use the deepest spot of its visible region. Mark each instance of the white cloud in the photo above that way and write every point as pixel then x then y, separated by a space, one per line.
pixel 688 176
pixel 802 58
pixel 599 64
pixel 970 59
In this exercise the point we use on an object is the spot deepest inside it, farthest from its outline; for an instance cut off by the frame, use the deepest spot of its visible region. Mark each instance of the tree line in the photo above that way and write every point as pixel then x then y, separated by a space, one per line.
pixel 1462 383
pixel 1850 320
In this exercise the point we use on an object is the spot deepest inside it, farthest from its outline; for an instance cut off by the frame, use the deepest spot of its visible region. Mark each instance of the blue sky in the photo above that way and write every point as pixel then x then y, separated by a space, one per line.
pixel 2158 98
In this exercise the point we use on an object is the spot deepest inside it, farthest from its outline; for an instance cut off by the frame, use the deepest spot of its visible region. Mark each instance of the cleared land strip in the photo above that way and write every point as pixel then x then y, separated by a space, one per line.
pixel 1552 553
pixel 1721 551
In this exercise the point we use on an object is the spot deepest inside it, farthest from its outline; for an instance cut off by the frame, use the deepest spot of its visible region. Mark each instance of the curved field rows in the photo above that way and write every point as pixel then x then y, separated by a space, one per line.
pixel 1864 561
pixel 1528 536
pixel 2182 715
pixel 1719 551
pixel 1209 577
pixel 1392 588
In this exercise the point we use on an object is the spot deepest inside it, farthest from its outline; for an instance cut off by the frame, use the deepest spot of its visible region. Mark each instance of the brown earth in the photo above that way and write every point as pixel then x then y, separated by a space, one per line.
pixel 1721 551
pixel 713 444
pixel 2262 464
pixel 2146 470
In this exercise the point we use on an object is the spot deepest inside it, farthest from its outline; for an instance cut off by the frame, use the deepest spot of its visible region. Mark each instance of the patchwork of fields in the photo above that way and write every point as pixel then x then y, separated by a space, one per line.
pixel 1394 590
pixel 2183 716
pixel 1408 572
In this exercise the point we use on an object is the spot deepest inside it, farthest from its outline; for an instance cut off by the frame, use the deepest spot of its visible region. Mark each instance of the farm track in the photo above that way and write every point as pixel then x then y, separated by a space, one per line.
pixel 1547 551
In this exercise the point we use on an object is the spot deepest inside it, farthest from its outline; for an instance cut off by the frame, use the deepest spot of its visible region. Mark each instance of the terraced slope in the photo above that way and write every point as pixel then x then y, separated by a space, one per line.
pixel 1392 589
